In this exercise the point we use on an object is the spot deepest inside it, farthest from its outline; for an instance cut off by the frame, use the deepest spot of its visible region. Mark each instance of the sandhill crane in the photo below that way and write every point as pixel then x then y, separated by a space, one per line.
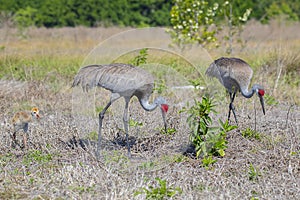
pixel 123 80
pixel 20 121
pixel 235 75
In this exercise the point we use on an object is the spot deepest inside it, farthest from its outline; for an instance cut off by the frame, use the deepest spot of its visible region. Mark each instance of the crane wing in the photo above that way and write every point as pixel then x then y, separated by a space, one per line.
pixel 231 72
pixel 115 77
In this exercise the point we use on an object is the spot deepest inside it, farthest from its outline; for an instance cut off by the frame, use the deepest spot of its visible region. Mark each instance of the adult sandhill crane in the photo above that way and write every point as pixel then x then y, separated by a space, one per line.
pixel 235 75
pixel 20 121
pixel 123 80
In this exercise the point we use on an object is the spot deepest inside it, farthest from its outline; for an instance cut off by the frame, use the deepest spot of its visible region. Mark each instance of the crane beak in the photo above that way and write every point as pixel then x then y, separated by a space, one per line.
pixel 262 103
pixel 164 110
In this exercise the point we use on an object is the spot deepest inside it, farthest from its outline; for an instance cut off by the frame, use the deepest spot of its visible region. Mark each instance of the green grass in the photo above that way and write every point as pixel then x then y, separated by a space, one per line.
pixel 251 134
pixel 43 67
pixel 161 191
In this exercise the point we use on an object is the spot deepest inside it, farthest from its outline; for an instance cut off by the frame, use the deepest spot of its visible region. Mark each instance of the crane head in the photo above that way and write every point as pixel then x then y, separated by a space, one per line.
pixel 162 103
pixel 35 112
pixel 260 93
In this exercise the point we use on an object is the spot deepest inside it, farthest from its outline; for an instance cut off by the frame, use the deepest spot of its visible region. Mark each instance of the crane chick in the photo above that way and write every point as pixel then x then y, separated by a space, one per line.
pixel 21 120
pixel 235 75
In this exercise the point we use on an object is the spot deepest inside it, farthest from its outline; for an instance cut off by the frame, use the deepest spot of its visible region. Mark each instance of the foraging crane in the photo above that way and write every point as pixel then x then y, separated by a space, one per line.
pixel 123 80
pixel 235 75
pixel 20 121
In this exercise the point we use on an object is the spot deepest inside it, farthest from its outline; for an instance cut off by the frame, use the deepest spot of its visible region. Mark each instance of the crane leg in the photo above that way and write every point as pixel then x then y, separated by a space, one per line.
pixel 231 107
pixel 25 140
pixel 125 121
pixel 14 139
pixel 25 134
pixel 101 116
pixel 114 97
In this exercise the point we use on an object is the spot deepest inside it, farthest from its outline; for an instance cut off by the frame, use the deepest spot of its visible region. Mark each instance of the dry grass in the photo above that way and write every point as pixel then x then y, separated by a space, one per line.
pixel 60 162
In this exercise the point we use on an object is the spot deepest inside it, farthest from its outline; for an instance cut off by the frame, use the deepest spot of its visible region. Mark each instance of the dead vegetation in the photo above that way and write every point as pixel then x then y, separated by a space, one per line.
pixel 60 160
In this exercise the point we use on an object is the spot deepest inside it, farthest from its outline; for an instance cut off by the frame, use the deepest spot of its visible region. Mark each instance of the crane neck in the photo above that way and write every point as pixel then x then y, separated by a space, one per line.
pixel 147 106
pixel 248 94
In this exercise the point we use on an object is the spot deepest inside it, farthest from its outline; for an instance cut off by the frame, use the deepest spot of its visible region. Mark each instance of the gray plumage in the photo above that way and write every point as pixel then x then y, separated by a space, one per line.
pixel 123 80
pixel 235 75
pixel 117 78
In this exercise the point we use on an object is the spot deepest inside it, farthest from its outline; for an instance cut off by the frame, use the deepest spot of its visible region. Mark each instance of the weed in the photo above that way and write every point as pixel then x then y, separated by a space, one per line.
pixel 254 195
pixel 170 131
pixel 31 181
pixel 177 158
pixel 208 161
pixel 82 189
pixel 133 123
pixel 37 156
pixel 253 173
pixel 249 133
pixel 93 136
pixel 294 153
pixel 116 157
pixel 270 100
pixel 160 86
pixel 207 140
pixel 147 165
pixel 141 58
pixel 5 159
pixel 160 192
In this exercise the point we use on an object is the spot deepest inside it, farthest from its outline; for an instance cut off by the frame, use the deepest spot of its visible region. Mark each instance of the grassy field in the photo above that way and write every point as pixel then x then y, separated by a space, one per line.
pixel 37 68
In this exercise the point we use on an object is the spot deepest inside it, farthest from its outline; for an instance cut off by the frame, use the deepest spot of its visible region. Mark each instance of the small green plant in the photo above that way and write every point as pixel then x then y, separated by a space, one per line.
pixel 254 195
pixel 6 159
pixel 249 133
pixel 270 100
pixel 253 173
pixel 160 192
pixel 133 123
pixel 141 58
pixel 37 156
pixel 82 189
pixel 207 140
pixel 160 86
pixel 115 157
pixel 170 131
pixel 208 161
pixel 93 135
pixel 147 165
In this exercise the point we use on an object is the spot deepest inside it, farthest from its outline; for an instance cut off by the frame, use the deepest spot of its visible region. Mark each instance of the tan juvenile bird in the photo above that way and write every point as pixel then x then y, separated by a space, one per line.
pixel 20 121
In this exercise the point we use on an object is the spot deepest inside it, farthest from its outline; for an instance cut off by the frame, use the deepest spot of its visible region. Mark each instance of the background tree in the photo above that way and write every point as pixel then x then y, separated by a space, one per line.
pixel 200 21
pixel 58 13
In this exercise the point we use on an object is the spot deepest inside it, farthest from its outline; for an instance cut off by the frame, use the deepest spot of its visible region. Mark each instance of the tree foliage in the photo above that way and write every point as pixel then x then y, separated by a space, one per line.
pixel 57 13
pixel 200 21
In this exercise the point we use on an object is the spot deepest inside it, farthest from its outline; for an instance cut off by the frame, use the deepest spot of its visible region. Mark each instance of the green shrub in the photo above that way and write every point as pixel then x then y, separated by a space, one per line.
pixel 207 140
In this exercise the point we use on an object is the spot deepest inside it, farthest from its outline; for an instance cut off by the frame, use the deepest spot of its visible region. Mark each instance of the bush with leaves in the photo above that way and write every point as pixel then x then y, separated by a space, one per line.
pixel 207 140
pixel 201 21
pixel 141 58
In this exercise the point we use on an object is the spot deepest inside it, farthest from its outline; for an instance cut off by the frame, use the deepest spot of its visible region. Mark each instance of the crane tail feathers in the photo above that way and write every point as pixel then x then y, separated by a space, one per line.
pixel 88 77
pixel 213 71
